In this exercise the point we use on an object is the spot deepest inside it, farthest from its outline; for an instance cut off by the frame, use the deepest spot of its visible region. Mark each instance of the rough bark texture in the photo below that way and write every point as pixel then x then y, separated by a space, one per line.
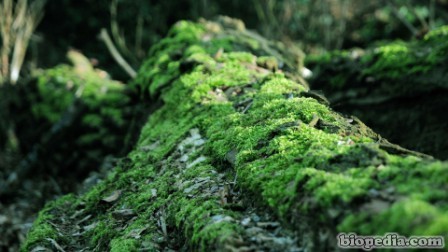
pixel 400 89
pixel 242 156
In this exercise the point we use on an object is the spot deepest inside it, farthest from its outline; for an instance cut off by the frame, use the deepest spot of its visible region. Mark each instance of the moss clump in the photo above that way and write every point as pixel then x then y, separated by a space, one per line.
pixel 59 87
pixel 222 117
pixel 80 116
pixel 387 63
pixel 391 83
pixel 44 228
pixel 118 245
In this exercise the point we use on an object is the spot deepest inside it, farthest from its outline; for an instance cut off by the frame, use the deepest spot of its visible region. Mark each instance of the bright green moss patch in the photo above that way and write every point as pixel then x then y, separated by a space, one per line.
pixel 43 228
pixel 79 116
pixel 422 219
pixel 391 83
pixel 225 122
pixel 117 245
pixel 328 187
pixel 163 65
pixel 157 139
pixel 59 87
pixel 387 62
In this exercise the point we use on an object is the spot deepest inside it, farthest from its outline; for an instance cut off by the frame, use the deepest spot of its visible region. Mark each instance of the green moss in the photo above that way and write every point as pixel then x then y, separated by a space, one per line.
pixel 118 245
pixel 39 234
pixel 395 60
pixel 226 44
pixel 155 132
pixel 60 86
pixel 57 88
pixel 43 227
pixel 421 218
pixel 241 57
pixel 329 187
pixel 205 222
pixel 82 106
pixel 102 233
pixel 264 128
pixel 163 65
pixel 387 62
pixel 268 62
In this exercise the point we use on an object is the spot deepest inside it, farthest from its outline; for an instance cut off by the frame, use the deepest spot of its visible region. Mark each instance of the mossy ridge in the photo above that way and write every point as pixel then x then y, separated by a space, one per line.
pixel 314 168
pixel 417 63
pixel 190 44
pixel 355 177
pixel 58 87
pixel 44 230
pixel 94 108
pixel 184 190
pixel 391 83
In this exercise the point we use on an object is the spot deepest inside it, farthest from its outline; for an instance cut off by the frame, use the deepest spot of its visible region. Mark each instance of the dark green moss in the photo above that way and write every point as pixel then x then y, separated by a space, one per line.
pixel 392 83
pixel 277 143
pixel 44 228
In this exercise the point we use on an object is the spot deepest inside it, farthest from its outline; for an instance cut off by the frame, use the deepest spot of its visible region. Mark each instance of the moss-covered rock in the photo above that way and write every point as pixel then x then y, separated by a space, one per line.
pixel 398 88
pixel 241 157
pixel 69 118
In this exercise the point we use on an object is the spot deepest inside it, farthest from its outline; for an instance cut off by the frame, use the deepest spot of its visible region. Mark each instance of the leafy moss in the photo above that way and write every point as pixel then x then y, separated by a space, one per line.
pixel 117 245
pixel 422 219
pixel 262 127
pixel 43 228
pixel 387 62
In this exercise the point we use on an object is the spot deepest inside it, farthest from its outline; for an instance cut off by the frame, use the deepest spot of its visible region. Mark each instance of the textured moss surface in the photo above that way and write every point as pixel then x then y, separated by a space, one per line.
pixel 78 116
pixel 236 137
pixel 398 88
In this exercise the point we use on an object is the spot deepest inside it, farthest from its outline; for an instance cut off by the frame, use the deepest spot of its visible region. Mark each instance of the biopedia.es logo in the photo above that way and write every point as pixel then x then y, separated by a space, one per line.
pixel 389 240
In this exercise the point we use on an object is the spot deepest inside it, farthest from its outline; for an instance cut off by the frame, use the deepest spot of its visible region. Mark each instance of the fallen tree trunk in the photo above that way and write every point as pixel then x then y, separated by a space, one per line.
pixel 397 88
pixel 242 156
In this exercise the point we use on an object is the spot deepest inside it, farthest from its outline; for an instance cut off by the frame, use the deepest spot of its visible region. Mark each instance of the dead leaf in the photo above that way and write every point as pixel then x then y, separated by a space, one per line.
pixel 221 218
pixel 55 244
pixel 268 224
pixel 196 161
pixel 112 197
pixel 84 219
pixel 197 185
pixel 91 226
pixel 376 206
pixel 136 233
pixel 153 193
pixel 245 221
pixel 3 219
pixel 123 214
pixel 151 147
pixel 40 249
pixel 231 156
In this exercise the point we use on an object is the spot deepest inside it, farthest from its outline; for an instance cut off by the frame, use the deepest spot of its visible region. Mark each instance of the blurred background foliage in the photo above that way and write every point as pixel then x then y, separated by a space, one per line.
pixel 37 34
pixel 47 30
pixel 316 25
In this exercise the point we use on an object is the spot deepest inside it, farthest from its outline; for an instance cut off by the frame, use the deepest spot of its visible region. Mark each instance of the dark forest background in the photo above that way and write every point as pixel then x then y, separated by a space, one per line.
pixel 315 25
pixel 44 126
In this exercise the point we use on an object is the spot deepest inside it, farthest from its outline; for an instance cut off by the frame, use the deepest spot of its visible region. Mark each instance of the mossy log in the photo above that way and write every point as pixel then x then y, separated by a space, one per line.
pixel 241 157
pixel 69 116
pixel 397 88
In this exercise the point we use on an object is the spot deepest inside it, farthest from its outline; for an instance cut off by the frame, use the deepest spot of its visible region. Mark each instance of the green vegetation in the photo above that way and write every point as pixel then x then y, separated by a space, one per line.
pixel 397 88
pixel 227 116
pixel 78 116
pixel 44 231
